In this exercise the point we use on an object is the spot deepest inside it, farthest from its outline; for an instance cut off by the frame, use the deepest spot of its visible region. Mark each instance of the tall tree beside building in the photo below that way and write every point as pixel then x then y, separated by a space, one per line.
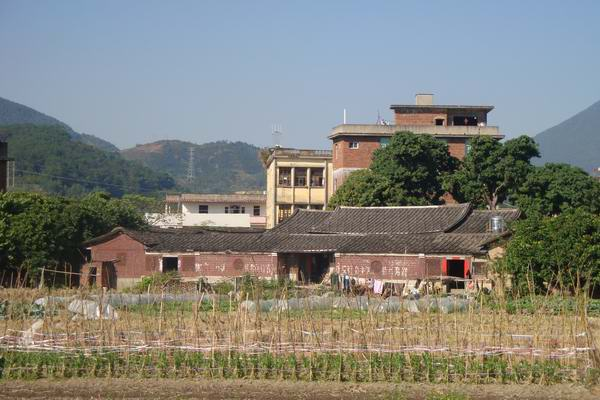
pixel 554 188
pixel 555 251
pixel 410 170
pixel 492 170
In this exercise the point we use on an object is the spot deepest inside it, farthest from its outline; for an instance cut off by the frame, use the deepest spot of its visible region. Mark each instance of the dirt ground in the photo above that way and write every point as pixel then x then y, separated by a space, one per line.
pixel 267 390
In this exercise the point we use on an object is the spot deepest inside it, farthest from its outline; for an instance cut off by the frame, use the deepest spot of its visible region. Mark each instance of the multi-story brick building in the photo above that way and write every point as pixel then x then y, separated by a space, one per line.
pixel 354 144
pixel 297 179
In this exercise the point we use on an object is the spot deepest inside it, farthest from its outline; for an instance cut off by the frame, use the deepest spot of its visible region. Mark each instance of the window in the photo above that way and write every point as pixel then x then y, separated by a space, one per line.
pixel 316 177
pixel 439 121
pixel 316 207
pixel 384 141
pixel 234 209
pixel 169 264
pixel 353 145
pixel 203 209
pixel 464 121
pixel 301 206
pixel 300 177
pixel 285 210
pixel 285 176
pixel 243 210
pixel 256 211
pixel 226 210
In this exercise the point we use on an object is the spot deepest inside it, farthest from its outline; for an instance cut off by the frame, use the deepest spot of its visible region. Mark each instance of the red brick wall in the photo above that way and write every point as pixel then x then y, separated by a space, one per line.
pixel 229 265
pixel 457 147
pixel 345 157
pixel 133 262
pixel 392 267
pixel 129 255
pixel 418 118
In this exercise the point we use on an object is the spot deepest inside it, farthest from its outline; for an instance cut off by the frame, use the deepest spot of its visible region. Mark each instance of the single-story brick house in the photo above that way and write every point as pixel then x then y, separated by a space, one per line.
pixel 395 244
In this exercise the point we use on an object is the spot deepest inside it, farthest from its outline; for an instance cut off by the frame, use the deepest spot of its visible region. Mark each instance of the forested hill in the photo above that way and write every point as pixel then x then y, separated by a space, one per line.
pixel 219 167
pixel 575 141
pixel 48 159
pixel 12 113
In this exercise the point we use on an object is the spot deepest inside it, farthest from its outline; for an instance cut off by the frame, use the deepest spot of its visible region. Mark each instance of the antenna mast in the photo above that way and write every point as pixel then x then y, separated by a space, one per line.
pixel 190 170
pixel 277 132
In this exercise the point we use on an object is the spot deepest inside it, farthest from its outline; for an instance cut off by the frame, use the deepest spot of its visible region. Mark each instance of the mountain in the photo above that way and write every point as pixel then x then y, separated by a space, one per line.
pixel 49 159
pixel 575 141
pixel 12 113
pixel 218 167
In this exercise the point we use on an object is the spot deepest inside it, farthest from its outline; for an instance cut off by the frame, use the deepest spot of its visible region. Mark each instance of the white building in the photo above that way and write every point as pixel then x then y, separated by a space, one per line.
pixel 228 210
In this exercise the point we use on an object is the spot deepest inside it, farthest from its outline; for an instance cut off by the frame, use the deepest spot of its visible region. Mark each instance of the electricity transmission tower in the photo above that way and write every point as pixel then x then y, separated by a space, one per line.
pixel 190 170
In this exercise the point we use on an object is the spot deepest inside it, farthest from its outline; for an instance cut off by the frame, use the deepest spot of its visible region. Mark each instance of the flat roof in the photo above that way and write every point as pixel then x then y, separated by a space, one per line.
pixel 377 130
pixel 430 107
pixel 217 198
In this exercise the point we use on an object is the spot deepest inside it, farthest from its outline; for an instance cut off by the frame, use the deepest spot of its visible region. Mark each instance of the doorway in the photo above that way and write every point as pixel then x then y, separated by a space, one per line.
pixel 109 275
pixel 456 268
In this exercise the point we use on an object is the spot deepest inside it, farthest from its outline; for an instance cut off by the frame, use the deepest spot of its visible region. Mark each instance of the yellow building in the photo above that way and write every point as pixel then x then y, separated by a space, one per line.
pixel 297 179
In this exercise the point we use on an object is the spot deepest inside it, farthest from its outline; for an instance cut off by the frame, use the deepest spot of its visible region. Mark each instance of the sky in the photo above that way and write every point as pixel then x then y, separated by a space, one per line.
pixel 135 72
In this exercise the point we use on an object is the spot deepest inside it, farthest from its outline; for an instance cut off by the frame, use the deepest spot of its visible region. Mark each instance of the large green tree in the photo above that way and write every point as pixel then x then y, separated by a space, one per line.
pixel 410 170
pixel 492 170
pixel 553 188
pixel 549 251
pixel 38 230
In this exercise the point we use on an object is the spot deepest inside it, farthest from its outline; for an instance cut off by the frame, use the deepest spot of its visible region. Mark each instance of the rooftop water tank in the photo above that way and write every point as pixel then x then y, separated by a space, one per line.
pixel 497 224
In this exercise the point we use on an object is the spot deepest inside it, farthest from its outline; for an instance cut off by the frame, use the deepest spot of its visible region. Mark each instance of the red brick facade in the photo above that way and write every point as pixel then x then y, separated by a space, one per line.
pixel 120 261
pixel 129 260
pixel 419 118
pixel 392 267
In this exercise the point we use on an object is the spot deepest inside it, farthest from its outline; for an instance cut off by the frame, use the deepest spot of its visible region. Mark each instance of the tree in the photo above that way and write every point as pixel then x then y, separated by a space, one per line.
pixel 38 230
pixel 410 170
pixel 362 188
pixel 553 188
pixel 492 170
pixel 549 251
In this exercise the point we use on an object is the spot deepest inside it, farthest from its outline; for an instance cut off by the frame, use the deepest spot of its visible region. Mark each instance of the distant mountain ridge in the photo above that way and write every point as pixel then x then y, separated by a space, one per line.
pixel 12 113
pixel 218 167
pixel 48 159
pixel 574 141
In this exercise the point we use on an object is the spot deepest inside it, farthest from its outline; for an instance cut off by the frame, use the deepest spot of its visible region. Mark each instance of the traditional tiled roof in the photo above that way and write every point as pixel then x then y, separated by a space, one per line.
pixel 455 229
pixel 478 221
pixel 398 220
pixel 302 221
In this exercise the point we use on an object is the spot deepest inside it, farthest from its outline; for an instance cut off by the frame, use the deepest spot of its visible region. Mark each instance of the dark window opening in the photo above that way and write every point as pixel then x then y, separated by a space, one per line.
pixel 256 211
pixel 464 121
pixel 285 176
pixel 316 207
pixel 302 206
pixel 316 177
pixel 226 210
pixel 300 177
pixel 235 209
pixel 169 264
pixel 439 121
pixel 203 209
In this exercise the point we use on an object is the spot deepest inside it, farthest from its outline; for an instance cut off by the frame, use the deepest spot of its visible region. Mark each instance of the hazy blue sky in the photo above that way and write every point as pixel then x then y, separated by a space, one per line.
pixel 139 71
